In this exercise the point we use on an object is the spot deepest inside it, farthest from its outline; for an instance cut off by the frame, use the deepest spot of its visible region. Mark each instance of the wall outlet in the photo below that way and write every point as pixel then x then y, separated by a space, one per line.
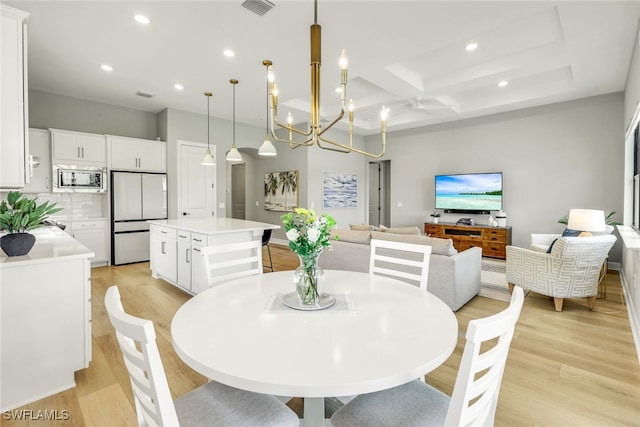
pixel 221 205
pixel 257 203
pixel 399 204
pixel 313 205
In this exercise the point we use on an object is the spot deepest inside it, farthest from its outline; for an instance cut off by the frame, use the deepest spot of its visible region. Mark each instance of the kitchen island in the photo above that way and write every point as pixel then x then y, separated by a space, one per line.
pixel 45 318
pixel 176 243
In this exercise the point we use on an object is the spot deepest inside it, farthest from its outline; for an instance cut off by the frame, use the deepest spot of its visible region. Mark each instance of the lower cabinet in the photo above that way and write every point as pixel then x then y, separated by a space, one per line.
pixel 164 251
pixel 176 254
pixel 92 234
pixel 45 322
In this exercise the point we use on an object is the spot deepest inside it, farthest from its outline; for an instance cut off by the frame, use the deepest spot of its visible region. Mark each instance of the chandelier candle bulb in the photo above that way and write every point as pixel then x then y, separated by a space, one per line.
pixel 316 130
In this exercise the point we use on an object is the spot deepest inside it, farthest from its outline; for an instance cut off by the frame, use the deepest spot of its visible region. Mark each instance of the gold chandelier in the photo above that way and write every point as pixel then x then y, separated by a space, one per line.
pixel 315 133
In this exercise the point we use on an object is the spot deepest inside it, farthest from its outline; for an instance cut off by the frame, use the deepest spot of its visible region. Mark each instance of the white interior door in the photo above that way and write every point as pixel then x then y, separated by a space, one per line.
pixel 197 183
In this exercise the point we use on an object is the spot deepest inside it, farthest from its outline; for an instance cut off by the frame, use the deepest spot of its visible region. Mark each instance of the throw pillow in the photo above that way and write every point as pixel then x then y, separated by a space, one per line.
pixel 361 227
pixel 353 236
pixel 566 233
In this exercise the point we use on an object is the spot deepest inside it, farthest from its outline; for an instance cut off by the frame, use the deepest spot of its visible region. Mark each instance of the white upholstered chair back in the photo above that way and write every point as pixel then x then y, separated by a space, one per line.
pixel 405 261
pixel 475 396
pixel 232 260
pixel 137 340
pixel 571 270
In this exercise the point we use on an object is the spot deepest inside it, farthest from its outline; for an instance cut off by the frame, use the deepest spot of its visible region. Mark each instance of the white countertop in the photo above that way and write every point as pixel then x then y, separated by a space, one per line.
pixel 214 225
pixel 51 242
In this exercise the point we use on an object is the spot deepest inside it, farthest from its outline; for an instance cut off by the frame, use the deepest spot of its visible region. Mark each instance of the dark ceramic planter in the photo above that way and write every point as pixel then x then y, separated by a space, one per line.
pixel 17 244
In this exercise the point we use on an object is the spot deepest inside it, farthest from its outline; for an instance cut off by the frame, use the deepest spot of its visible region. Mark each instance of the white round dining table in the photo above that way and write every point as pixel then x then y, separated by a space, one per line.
pixel 381 333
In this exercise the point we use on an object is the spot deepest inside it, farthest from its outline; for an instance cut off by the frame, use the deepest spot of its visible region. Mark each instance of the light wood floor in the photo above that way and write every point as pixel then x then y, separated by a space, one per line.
pixel 574 368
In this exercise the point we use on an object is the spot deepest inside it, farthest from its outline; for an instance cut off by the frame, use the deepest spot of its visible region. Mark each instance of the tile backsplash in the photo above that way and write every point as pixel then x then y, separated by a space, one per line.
pixel 74 205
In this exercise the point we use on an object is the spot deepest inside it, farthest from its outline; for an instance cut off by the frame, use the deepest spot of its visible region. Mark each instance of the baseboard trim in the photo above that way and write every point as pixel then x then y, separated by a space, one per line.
pixel 634 320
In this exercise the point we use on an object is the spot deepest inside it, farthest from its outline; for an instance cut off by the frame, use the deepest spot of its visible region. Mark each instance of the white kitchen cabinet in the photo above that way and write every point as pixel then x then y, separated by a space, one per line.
pixel 199 280
pixel 14 141
pixel 184 259
pixel 137 154
pixel 164 252
pixel 78 148
pixel 93 234
pixel 45 319
pixel 39 151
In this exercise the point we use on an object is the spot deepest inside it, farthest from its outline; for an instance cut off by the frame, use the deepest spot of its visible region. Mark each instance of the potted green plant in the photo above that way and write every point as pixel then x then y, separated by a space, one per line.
pixel 19 215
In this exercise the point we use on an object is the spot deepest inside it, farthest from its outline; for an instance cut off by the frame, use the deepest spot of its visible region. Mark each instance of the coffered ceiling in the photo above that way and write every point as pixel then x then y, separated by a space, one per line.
pixel 409 56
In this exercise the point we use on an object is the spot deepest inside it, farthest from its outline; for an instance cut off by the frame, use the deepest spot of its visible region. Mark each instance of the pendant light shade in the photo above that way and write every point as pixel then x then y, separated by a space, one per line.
pixel 208 159
pixel 267 149
pixel 234 155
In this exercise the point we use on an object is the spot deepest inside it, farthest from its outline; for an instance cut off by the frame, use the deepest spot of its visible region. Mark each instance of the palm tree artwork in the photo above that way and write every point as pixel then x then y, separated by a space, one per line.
pixel 281 191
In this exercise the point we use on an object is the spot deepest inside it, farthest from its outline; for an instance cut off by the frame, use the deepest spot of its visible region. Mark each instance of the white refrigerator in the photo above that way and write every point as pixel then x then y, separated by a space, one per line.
pixel 135 198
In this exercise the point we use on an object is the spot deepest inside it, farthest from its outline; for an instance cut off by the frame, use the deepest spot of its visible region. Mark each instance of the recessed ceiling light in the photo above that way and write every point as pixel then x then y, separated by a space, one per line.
pixel 471 46
pixel 229 53
pixel 178 86
pixel 106 67
pixel 142 19
pixel 503 83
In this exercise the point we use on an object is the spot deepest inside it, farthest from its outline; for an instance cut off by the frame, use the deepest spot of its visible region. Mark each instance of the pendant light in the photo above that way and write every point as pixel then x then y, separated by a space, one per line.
pixel 208 159
pixel 234 155
pixel 267 149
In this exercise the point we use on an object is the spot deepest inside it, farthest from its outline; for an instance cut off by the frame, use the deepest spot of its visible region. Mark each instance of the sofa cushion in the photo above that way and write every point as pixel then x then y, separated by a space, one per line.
pixel 361 227
pixel 438 246
pixel 403 230
pixel 354 236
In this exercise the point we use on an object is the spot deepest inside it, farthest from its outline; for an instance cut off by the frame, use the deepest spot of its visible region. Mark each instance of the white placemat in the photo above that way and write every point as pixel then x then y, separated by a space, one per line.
pixel 344 305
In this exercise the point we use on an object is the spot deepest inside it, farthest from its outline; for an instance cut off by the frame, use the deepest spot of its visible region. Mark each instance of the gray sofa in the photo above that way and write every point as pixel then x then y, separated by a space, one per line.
pixel 454 277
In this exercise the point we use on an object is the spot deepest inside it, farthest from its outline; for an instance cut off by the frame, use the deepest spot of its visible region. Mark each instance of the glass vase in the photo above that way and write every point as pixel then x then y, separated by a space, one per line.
pixel 308 279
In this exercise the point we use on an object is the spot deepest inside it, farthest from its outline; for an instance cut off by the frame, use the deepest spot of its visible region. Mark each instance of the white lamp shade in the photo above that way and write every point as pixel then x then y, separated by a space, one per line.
pixel 234 155
pixel 208 159
pixel 267 148
pixel 586 220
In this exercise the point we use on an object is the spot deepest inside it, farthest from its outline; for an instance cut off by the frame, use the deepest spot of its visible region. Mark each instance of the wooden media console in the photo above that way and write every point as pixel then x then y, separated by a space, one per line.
pixel 492 240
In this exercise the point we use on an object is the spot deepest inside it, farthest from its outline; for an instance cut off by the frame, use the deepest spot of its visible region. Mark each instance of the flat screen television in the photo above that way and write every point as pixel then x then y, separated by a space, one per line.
pixel 469 193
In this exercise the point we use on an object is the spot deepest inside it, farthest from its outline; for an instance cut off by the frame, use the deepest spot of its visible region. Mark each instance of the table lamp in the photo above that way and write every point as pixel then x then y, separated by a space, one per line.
pixel 586 221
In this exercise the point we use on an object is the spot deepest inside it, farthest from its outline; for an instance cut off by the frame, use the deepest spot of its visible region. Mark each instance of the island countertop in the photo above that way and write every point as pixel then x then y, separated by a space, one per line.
pixel 214 225
pixel 51 243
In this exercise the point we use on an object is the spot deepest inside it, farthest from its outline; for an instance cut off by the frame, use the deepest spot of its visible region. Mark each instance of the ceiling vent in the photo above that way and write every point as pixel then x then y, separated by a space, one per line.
pixel 259 7
pixel 145 95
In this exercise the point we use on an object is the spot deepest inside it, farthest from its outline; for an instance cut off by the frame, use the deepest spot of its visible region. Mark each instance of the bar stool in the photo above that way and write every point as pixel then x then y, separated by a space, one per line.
pixel 266 236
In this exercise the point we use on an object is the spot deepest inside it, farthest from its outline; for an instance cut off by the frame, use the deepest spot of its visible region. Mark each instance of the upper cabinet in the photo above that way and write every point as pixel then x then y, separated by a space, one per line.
pixel 39 162
pixel 78 148
pixel 14 142
pixel 133 154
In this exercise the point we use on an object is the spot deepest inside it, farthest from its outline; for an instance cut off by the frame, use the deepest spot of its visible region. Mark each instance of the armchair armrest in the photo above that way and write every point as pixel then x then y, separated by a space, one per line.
pixel 524 266
pixel 541 242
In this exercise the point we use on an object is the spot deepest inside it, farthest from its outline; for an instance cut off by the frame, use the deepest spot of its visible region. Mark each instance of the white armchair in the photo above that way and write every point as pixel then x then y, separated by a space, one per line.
pixel 571 270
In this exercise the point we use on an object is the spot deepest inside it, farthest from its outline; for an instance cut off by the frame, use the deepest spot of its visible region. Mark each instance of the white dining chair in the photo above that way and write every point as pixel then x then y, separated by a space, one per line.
pixel 475 393
pixel 212 404
pixel 400 260
pixel 229 261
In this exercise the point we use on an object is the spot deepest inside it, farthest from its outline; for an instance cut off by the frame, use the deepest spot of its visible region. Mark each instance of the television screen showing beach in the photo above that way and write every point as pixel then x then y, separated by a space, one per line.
pixel 481 191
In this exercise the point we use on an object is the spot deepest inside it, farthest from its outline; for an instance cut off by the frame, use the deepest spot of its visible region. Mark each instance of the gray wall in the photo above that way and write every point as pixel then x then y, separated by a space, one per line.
pixel 48 110
pixel 553 158
pixel 556 157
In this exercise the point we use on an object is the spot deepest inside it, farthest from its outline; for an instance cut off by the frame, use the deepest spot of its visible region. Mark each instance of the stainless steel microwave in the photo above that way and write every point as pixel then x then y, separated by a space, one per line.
pixel 79 179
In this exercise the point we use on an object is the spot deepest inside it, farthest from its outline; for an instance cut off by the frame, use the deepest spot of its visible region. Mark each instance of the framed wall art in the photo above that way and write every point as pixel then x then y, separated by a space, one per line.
pixel 281 191
pixel 339 190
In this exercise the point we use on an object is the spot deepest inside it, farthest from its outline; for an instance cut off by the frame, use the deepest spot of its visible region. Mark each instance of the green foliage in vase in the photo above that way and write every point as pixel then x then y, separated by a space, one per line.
pixel 19 214
pixel 307 232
